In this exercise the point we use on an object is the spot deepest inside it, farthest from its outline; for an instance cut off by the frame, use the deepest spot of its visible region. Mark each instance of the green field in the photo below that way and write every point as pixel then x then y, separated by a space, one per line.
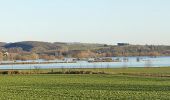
pixel 86 87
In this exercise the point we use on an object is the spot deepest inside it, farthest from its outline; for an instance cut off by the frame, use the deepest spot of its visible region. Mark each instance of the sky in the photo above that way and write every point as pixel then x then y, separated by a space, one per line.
pixel 87 21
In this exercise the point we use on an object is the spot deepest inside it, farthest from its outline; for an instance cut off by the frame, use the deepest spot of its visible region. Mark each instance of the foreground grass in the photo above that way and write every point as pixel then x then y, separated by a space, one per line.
pixel 83 87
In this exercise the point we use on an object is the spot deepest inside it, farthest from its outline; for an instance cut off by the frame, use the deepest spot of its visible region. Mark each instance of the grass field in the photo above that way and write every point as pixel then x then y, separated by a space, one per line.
pixel 86 87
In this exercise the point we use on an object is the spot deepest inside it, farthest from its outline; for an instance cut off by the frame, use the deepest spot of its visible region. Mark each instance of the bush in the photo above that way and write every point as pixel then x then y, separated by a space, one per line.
pixel 9 72
pixel 55 73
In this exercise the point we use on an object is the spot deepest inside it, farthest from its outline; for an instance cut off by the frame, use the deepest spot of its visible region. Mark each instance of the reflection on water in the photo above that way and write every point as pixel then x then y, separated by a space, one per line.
pixel 124 62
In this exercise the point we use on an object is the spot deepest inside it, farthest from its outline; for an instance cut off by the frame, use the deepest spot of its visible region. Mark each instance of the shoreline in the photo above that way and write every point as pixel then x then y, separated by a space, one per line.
pixel 141 72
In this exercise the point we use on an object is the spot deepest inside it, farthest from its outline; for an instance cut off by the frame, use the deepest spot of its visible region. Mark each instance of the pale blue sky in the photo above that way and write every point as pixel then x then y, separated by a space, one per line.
pixel 91 21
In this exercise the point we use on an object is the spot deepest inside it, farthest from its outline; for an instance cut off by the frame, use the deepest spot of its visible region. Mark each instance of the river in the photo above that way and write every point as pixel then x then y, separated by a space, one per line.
pixel 131 62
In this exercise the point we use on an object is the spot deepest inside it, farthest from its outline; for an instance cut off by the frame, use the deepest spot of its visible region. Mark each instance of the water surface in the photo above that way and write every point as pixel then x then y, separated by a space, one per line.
pixel 132 62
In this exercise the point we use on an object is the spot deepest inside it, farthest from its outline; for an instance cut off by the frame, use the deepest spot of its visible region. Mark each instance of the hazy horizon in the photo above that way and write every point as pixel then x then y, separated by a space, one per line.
pixel 114 43
pixel 90 21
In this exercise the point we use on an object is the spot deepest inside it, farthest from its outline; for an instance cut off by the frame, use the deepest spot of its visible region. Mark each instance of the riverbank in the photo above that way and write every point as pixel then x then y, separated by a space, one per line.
pixel 27 63
pixel 150 71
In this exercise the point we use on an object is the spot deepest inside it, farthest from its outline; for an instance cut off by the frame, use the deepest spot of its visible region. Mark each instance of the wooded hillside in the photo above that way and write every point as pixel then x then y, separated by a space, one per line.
pixel 46 50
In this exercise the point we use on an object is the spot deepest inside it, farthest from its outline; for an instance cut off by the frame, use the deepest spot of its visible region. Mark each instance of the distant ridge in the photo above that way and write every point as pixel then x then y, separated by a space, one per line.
pixel 29 45
pixel 75 48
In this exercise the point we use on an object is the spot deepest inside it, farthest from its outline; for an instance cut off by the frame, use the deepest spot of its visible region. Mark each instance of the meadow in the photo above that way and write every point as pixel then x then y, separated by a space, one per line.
pixel 87 86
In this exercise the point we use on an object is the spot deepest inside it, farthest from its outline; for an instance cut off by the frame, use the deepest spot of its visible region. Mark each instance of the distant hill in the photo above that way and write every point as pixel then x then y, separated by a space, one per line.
pixel 29 45
pixel 2 44
pixel 81 46
pixel 68 49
